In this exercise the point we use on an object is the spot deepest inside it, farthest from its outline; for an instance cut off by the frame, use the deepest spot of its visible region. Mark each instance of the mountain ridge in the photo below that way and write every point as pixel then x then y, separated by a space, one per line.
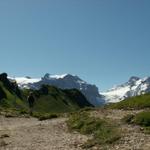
pixel 65 81
pixel 133 87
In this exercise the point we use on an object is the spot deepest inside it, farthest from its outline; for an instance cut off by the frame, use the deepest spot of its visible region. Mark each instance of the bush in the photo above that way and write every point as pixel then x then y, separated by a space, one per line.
pixel 147 130
pixel 87 109
pixel 142 118
pixel 42 117
pixel 101 131
pixel 23 111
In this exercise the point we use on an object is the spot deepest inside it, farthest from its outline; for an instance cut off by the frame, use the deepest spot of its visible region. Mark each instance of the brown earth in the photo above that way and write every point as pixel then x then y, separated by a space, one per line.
pixel 31 134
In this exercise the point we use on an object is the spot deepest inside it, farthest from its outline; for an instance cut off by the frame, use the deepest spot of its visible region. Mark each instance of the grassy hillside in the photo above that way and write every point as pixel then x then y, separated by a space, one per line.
pixel 138 102
pixel 9 99
pixel 52 99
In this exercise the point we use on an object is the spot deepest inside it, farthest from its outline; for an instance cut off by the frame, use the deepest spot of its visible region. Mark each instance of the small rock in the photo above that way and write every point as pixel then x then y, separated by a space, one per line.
pixel 3 143
pixel 4 136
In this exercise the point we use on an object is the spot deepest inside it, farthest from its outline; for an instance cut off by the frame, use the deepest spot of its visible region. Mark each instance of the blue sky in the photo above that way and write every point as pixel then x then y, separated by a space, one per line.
pixel 102 41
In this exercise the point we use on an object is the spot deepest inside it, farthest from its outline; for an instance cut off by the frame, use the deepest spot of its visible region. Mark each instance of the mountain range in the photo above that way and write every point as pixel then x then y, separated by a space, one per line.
pixel 133 87
pixel 65 81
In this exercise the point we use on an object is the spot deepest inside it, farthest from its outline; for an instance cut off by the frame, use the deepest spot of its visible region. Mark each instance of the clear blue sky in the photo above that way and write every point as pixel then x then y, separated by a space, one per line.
pixel 102 41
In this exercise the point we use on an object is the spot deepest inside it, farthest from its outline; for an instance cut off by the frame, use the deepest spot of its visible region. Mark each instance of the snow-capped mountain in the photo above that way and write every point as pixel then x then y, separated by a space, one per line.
pixel 26 82
pixel 135 86
pixel 65 81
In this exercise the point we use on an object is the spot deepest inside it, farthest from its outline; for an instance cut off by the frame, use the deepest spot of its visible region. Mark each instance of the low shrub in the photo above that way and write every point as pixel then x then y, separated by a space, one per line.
pixel 102 131
pixel 142 118
pixel 87 109
pixel 42 117
pixel 147 130
pixel 23 112
pixel 10 115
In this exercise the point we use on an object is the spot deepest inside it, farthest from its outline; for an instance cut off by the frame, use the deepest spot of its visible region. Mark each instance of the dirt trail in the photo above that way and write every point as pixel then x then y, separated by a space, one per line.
pixel 31 134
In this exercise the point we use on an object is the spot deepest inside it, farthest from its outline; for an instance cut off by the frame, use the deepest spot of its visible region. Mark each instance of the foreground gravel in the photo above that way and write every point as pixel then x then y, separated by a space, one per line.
pixel 31 134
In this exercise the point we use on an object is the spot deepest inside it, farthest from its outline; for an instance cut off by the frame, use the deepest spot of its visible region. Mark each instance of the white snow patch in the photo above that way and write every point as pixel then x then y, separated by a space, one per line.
pixel 115 95
pixel 58 76
pixel 24 80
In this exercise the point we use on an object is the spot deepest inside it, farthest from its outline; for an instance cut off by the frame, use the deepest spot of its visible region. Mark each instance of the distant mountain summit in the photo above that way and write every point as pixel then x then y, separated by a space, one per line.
pixel 49 76
pixel 65 81
pixel 133 79
pixel 133 87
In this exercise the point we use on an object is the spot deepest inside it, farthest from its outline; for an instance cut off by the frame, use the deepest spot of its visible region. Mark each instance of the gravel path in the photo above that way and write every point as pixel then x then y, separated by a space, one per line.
pixel 31 134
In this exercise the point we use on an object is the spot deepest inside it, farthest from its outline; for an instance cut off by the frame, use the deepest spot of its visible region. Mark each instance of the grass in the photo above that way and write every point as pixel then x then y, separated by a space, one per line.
pixel 102 131
pixel 146 130
pixel 59 101
pixel 11 100
pixel 10 112
pixel 46 116
pixel 138 102
pixel 142 119
pixel 87 109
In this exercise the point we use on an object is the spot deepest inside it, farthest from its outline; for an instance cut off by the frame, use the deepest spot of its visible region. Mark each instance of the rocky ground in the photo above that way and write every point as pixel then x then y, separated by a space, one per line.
pixel 31 134
pixel 20 133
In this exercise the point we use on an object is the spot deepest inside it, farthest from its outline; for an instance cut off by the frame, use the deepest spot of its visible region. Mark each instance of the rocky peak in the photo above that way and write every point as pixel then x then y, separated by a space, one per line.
pixel 133 79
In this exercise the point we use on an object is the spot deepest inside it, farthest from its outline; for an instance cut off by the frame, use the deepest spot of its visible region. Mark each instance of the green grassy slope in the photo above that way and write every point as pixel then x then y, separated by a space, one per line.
pixel 57 100
pixel 9 99
pixel 138 102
